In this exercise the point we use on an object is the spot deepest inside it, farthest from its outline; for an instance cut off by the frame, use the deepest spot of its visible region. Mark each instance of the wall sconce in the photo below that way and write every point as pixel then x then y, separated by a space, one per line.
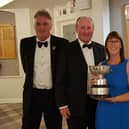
pixel 5 2
pixel 127 12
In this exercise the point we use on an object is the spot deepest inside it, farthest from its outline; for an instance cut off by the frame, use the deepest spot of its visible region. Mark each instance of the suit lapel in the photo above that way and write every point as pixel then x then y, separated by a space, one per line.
pixel 79 51
pixel 33 47
pixel 53 54
pixel 52 48
pixel 32 53
pixel 96 53
pixel 82 62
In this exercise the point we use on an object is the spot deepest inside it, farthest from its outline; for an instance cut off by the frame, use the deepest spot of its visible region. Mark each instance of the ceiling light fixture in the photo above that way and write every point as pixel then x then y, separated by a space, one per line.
pixel 5 2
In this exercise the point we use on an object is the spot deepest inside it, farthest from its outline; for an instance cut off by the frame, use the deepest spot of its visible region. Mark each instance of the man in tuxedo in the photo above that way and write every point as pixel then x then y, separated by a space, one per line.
pixel 72 77
pixel 39 55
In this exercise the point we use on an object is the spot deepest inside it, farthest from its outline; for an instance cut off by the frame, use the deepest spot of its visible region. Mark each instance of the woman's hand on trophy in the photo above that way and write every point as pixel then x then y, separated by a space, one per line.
pixel 110 99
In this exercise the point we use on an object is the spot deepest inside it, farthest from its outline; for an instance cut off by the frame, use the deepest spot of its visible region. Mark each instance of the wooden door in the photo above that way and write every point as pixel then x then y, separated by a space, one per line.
pixel 7 41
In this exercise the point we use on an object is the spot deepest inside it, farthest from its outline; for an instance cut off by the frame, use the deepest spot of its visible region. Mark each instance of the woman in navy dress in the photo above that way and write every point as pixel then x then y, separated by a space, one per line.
pixel 113 112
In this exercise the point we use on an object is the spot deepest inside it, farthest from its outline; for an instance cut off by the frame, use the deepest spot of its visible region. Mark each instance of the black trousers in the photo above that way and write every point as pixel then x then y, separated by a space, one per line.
pixel 81 122
pixel 43 104
pixel 77 122
pixel 85 121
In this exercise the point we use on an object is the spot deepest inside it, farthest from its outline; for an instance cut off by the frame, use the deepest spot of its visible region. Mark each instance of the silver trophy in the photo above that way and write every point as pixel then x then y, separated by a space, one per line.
pixel 100 88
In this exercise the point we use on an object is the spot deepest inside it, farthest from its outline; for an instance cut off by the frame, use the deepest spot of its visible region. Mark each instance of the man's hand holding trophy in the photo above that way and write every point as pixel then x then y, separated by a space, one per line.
pixel 99 87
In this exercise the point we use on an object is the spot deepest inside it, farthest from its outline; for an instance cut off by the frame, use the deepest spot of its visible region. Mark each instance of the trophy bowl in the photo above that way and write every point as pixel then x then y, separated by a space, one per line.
pixel 99 69
pixel 100 88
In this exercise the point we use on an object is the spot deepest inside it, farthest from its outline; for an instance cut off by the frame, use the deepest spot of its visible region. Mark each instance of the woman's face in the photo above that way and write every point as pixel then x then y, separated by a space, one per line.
pixel 114 46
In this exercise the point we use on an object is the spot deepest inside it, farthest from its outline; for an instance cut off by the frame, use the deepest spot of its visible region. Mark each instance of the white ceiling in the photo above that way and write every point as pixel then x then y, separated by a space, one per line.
pixel 35 3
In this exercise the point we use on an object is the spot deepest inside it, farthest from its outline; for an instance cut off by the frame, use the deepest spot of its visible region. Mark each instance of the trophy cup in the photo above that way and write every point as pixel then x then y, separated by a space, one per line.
pixel 100 88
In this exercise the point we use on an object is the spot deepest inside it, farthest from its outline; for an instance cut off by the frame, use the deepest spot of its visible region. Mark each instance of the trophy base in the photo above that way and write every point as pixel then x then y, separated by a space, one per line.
pixel 99 92
pixel 98 96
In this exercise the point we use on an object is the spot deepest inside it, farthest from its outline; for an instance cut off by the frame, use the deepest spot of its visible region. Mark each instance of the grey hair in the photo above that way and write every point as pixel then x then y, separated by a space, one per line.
pixel 43 13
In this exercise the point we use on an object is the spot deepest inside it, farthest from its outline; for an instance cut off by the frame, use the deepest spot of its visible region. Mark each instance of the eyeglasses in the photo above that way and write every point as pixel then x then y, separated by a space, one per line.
pixel 113 41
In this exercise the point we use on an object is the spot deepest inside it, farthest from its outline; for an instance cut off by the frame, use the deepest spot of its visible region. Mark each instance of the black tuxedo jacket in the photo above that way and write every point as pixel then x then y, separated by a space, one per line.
pixel 71 83
pixel 27 51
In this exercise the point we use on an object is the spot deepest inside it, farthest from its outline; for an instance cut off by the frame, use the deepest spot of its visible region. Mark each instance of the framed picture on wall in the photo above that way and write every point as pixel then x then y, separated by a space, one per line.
pixel 68 30
pixel 82 4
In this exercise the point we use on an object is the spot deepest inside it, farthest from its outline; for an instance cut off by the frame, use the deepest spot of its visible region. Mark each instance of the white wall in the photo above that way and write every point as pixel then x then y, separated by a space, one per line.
pixel 100 14
pixel 117 16
pixel 11 87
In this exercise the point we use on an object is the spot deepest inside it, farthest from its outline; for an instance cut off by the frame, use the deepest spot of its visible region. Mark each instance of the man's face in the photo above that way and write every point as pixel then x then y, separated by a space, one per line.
pixel 43 27
pixel 84 29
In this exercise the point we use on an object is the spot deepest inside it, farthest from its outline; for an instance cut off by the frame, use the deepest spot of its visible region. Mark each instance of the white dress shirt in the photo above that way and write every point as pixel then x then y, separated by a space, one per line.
pixel 42 67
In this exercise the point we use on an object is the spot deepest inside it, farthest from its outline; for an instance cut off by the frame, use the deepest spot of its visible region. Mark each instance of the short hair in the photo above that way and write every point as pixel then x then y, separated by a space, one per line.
pixel 43 13
pixel 88 18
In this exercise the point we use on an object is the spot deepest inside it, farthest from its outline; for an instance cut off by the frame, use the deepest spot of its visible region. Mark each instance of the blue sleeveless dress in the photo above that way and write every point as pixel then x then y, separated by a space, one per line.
pixel 114 115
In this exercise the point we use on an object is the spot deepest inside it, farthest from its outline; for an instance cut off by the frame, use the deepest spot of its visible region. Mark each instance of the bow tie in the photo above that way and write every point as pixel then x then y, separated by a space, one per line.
pixel 42 43
pixel 88 45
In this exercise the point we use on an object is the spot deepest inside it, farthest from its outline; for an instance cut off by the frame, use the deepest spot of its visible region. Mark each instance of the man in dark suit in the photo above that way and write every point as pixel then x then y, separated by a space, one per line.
pixel 72 75
pixel 39 59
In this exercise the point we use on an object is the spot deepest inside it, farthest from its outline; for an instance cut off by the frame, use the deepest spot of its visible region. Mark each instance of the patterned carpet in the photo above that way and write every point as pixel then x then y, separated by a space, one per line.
pixel 11 114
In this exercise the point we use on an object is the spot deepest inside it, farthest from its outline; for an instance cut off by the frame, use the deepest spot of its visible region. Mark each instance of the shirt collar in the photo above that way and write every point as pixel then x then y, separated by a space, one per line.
pixel 48 39
pixel 81 42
